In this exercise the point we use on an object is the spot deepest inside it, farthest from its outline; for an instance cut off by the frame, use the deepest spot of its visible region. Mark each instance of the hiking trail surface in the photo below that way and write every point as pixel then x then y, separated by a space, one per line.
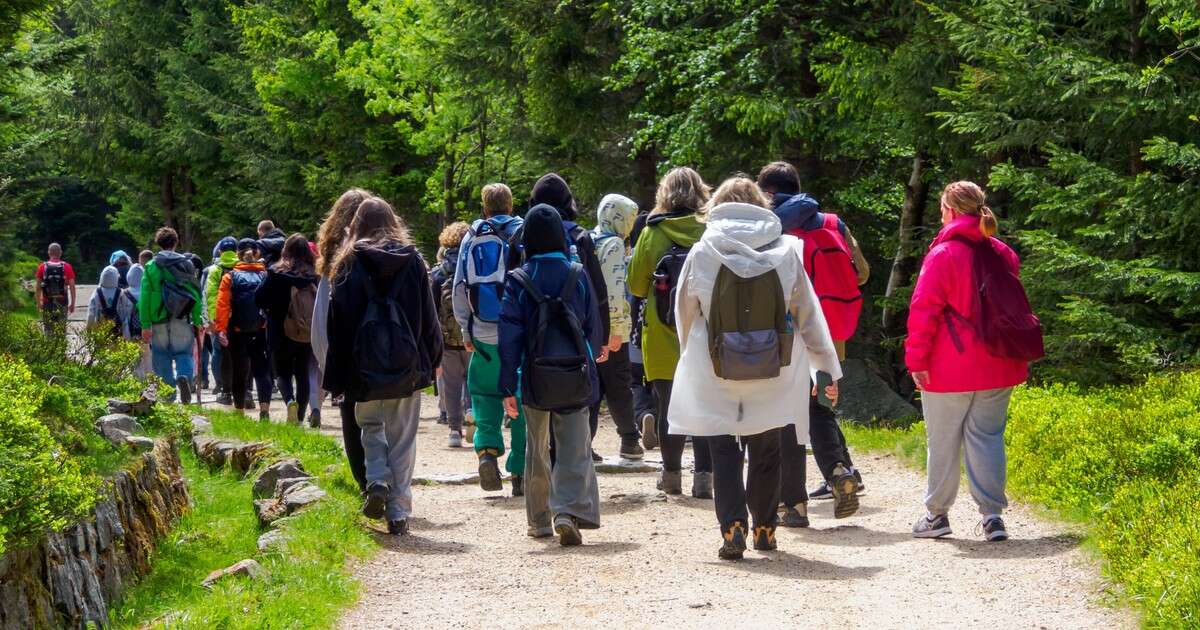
pixel 653 563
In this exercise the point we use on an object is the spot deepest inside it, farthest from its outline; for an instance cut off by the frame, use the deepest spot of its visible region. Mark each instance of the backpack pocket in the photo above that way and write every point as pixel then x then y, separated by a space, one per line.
pixel 176 300
pixel 560 382
pixel 664 298
pixel 747 356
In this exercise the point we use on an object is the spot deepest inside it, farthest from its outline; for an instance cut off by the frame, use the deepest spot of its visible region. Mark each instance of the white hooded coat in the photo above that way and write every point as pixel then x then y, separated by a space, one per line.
pixel 614 222
pixel 109 278
pixel 749 241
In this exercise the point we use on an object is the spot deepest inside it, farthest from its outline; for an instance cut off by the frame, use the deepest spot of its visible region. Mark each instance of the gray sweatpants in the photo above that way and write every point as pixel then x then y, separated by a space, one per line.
pixel 453 397
pixel 570 488
pixel 975 420
pixel 389 437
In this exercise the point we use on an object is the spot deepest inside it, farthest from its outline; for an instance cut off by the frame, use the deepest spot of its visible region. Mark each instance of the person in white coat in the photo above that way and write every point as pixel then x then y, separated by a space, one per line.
pixel 110 303
pixel 745 237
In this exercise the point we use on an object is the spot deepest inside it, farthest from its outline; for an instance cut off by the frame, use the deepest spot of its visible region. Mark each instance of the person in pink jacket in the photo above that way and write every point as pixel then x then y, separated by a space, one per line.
pixel 965 389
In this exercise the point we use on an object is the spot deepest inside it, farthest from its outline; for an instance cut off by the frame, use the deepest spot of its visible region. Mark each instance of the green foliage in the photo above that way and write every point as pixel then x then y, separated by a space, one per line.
pixel 306 587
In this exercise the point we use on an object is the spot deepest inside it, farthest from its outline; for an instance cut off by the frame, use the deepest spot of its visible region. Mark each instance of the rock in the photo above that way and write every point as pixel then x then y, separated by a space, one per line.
pixel 248 568
pixel 619 465
pixel 864 397
pixel 246 456
pixel 284 485
pixel 115 436
pixel 121 421
pixel 271 540
pixel 300 496
pixel 269 510
pixel 140 407
pixel 201 425
pixel 140 443
pixel 268 479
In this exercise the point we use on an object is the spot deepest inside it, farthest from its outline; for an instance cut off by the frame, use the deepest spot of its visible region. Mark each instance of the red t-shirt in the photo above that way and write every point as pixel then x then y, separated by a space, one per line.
pixel 68 275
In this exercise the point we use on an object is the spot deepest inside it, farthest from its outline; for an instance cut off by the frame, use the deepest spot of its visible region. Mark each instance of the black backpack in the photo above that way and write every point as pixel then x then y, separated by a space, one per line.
pixel 179 288
pixel 666 282
pixel 135 318
pixel 108 312
pixel 557 365
pixel 244 314
pixel 54 282
pixel 388 358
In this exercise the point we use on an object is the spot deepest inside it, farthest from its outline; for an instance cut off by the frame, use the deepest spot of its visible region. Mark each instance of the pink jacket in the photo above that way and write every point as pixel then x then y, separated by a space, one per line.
pixel 947 282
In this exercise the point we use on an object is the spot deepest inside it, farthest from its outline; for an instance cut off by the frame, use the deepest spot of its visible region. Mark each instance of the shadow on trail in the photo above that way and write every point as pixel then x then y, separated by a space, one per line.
pixel 824 509
pixel 849 536
pixel 416 544
pixel 604 548
pixel 616 503
pixel 787 565
pixel 1014 548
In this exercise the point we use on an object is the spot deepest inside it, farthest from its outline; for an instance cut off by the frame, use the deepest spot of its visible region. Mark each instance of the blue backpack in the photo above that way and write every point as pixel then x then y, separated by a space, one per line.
pixel 245 316
pixel 486 266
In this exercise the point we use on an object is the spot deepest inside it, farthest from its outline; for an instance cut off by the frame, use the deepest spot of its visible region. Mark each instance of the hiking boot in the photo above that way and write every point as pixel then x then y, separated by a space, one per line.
pixel 795 516
pixel 539 532
pixel 398 527
pixel 630 449
pixel 518 486
pixel 293 412
pixel 822 492
pixel 596 457
pixel 649 431
pixel 735 542
pixel 314 419
pixel 764 538
pixel 935 527
pixel 702 485
pixel 376 500
pixel 224 398
pixel 455 440
pixel 567 530
pixel 845 492
pixel 671 482
pixel 264 416
pixel 860 486
pixel 183 387
pixel 443 419
pixel 489 471
pixel 993 529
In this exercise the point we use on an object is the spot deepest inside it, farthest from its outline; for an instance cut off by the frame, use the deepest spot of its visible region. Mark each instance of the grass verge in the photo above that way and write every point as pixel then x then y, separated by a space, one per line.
pixel 307 583
pixel 1122 461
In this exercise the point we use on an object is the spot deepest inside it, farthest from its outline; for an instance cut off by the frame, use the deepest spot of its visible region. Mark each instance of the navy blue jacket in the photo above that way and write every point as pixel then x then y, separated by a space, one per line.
pixel 800 212
pixel 518 316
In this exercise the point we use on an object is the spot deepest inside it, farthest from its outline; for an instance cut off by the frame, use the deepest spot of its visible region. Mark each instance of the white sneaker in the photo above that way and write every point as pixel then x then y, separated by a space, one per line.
pixel 455 440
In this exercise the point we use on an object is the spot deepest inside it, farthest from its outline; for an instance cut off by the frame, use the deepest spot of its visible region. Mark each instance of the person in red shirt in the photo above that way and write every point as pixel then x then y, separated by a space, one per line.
pixel 55 287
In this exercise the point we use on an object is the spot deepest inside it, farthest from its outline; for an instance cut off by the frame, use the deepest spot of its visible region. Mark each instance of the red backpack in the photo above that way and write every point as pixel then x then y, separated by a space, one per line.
pixel 831 269
pixel 1004 319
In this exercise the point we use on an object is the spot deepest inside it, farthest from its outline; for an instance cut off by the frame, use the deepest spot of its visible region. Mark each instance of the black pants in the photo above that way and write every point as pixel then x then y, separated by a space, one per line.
pixel 644 401
pixel 672 445
pixel 249 357
pixel 352 439
pixel 615 376
pixel 829 449
pixel 759 491
pixel 291 371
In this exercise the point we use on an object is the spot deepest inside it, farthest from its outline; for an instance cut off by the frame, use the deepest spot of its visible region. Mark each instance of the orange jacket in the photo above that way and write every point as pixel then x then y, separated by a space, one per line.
pixel 225 295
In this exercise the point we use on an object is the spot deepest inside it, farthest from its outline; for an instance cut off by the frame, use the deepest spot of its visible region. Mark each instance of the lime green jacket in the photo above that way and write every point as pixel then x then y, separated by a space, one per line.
pixel 213 283
pixel 660 344
pixel 150 308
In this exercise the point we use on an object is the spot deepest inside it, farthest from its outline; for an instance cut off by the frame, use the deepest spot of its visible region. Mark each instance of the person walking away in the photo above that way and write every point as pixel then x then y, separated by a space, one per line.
pixel 549 330
pixel 169 311
pixel 111 305
pixel 742 298
pixel 287 297
pixel 478 290
pixel 224 259
pixel 452 373
pixel 645 404
pixel 55 290
pixel 123 263
pixel 830 248
pixel 671 230
pixel 241 328
pixel 384 341
pixel 971 337
pixel 614 222
pixel 330 238
pixel 144 367
pixel 270 242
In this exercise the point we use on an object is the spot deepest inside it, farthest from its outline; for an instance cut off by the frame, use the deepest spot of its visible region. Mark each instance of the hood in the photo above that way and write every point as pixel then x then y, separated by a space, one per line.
pixel 109 277
pixel 745 238
pixel 543 232
pixel 294 279
pixel 794 210
pixel 387 258
pixel 275 234
pixel 683 229
pixel 119 255
pixel 134 278
pixel 506 222
pixel 616 215
pixel 966 225
pixel 249 266
pixel 552 189
pixel 227 243
pixel 227 260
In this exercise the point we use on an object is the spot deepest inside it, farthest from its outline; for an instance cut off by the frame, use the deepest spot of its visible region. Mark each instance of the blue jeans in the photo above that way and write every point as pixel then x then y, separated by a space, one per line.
pixel 171 346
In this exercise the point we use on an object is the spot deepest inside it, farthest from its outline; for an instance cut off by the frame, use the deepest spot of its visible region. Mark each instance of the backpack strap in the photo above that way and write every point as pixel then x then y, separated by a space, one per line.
pixel 831 222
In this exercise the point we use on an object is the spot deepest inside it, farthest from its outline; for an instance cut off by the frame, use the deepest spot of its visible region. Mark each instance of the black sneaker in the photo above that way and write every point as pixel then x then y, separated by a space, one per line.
pixel 398 527
pixel 567 530
pixel 518 486
pixel 630 449
pixel 489 471
pixel 596 457
pixel 314 419
pixel 735 543
pixel 795 516
pixel 224 399
pixel 822 492
pixel 442 419
pixel 376 501
pixel 845 492
pixel 184 388
pixel 858 477
pixel 932 528
pixel 264 416
pixel 764 538
pixel 993 529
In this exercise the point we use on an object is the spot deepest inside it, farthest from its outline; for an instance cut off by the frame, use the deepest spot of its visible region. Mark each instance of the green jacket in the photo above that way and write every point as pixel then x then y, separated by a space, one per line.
pixel 213 282
pixel 150 308
pixel 660 344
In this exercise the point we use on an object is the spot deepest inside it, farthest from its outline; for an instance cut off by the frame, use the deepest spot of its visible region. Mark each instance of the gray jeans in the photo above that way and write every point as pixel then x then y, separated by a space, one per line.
pixel 453 398
pixel 975 420
pixel 570 488
pixel 389 437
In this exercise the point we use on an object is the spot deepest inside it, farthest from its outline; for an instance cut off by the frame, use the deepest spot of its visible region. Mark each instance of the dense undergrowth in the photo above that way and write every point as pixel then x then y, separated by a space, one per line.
pixel 1125 461
pixel 307 583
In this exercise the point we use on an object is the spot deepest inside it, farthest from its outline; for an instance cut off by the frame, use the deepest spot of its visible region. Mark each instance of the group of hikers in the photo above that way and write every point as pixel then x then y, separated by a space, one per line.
pixel 717 318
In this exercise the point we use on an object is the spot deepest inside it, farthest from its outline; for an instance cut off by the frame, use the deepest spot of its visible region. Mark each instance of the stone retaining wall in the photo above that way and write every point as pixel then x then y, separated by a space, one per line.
pixel 69 579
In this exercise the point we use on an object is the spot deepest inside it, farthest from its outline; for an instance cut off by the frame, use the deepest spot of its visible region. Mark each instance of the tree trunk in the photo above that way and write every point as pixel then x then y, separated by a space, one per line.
pixel 1137 45
pixel 448 212
pixel 645 170
pixel 167 197
pixel 183 215
pixel 904 266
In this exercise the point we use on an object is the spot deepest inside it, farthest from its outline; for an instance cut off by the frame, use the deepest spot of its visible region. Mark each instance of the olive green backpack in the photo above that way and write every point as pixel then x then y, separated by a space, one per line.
pixel 749 326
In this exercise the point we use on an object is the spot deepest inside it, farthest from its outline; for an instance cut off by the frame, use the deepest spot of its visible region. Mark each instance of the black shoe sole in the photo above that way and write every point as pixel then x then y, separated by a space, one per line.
pixel 845 499
pixel 489 476
pixel 794 523
pixel 568 535
pixel 733 549
pixel 375 505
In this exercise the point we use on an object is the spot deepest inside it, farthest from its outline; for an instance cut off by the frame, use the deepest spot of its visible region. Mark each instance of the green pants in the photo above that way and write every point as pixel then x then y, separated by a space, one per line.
pixel 487 404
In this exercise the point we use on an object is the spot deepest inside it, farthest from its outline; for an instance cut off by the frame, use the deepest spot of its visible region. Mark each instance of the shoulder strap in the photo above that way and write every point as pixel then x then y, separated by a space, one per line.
pixel 831 222
pixel 520 276
pixel 568 289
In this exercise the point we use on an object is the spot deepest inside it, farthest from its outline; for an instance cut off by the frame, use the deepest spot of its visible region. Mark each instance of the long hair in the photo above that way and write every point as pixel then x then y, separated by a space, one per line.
pixel 374 224
pixel 738 189
pixel 680 189
pixel 297 257
pixel 968 198
pixel 333 229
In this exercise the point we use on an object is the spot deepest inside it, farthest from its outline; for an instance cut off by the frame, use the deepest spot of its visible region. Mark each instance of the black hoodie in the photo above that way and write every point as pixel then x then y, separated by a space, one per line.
pixel 274 297
pixel 384 264
pixel 271 246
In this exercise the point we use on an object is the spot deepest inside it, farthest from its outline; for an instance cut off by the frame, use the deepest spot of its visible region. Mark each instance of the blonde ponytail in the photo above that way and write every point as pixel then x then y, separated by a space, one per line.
pixel 987 222
pixel 968 198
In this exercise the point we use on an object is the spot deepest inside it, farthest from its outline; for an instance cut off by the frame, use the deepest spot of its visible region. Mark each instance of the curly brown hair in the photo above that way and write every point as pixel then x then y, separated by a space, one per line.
pixel 452 235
